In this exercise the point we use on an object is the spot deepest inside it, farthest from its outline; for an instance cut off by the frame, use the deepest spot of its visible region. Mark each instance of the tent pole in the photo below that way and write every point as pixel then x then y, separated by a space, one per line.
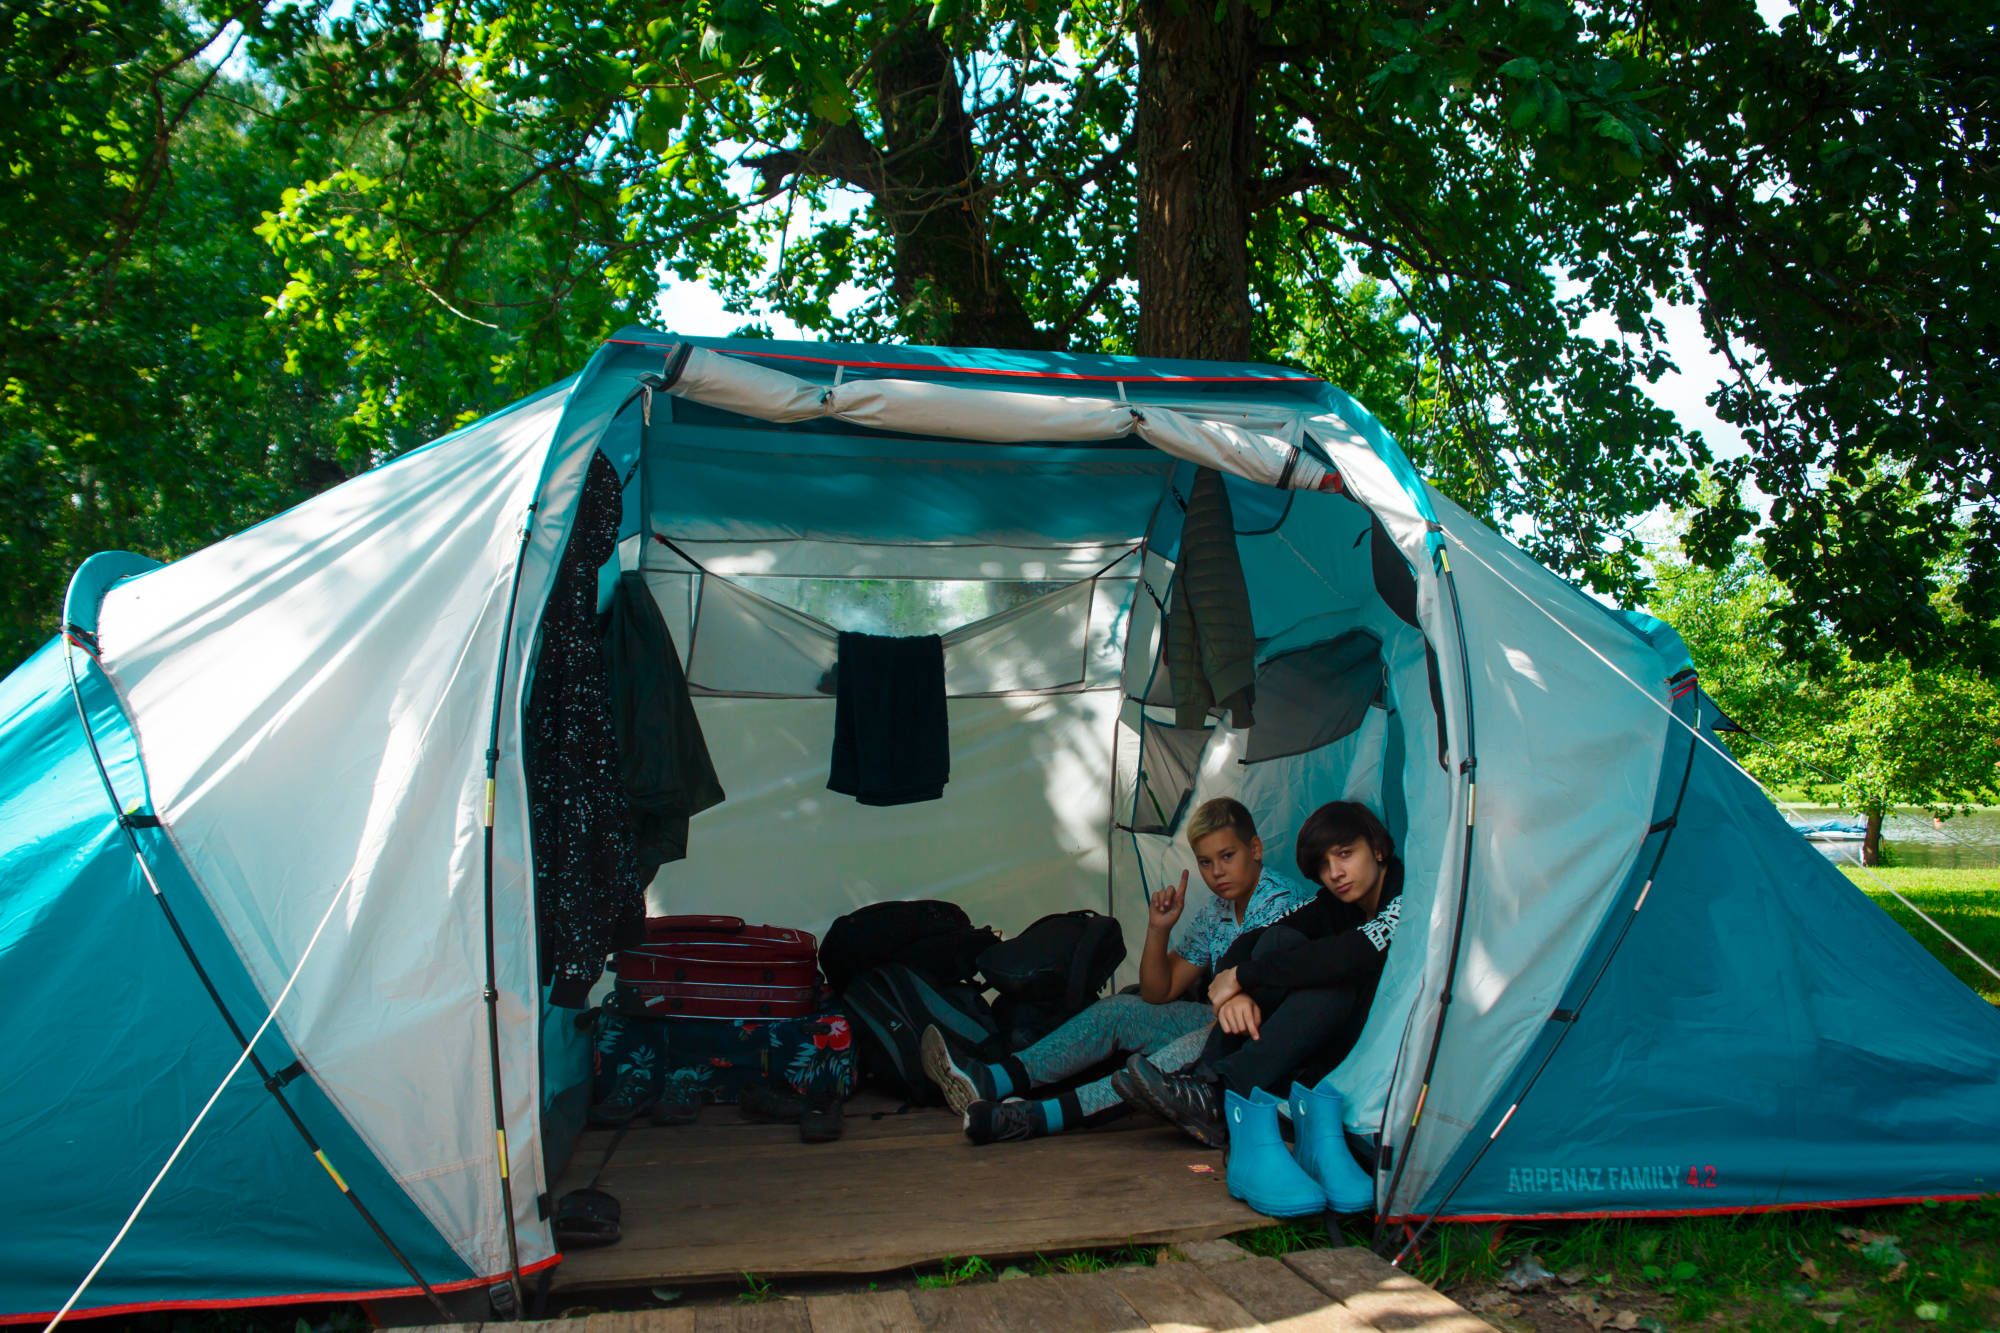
pixel 491 993
pixel 1468 768
pixel 274 1084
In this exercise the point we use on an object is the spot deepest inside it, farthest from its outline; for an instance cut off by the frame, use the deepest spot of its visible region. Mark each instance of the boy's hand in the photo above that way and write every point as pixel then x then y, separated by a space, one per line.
pixel 1239 1016
pixel 1223 987
pixel 1165 908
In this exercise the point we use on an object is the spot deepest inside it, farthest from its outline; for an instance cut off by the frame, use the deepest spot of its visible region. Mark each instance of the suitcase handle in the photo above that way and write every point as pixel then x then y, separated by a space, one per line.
pixel 657 926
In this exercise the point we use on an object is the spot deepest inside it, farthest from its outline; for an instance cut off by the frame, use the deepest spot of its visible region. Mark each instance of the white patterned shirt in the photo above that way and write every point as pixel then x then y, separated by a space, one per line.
pixel 1213 927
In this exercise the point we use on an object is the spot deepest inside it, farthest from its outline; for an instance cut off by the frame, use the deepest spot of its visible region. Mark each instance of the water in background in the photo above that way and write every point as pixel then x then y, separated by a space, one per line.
pixel 1969 841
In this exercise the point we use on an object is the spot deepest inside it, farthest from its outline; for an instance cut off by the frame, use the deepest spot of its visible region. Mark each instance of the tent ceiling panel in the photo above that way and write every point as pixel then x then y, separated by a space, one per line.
pixel 1085 372
pixel 721 495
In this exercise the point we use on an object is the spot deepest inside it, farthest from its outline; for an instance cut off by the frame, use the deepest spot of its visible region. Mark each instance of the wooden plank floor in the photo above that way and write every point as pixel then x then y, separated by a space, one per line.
pixel 1214 1287
pixel 714 1200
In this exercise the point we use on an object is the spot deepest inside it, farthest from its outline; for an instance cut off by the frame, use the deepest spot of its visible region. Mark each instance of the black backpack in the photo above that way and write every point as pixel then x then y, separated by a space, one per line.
pixel 889 1006
pixel 1051 971
pixel 936 938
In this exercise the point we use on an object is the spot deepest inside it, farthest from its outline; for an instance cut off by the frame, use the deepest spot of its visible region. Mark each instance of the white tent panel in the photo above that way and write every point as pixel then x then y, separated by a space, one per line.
pixel 329 674
pixel 1018 834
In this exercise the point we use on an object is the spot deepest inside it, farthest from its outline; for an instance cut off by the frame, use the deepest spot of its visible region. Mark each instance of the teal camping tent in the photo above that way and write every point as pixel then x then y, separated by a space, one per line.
pixel 263 826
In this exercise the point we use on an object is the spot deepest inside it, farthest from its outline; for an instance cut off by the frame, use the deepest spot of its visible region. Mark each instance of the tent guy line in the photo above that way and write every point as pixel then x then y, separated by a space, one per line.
pixel 73 637
pixel 1726 757
pixel 209 1105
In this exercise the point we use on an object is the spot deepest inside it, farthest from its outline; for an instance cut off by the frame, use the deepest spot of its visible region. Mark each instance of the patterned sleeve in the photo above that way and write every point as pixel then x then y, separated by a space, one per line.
pixel 1193 944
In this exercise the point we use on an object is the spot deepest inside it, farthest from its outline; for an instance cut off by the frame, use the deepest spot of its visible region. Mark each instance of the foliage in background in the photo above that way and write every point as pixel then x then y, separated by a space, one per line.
pixel 1864 735
pixel 450 202
pixel 172 368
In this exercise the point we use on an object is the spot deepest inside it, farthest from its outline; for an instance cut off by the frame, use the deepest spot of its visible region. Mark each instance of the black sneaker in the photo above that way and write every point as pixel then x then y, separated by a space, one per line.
pixel 823 1120
pixel 1001 1122
pixel 1188 1100
pixel 1128 1092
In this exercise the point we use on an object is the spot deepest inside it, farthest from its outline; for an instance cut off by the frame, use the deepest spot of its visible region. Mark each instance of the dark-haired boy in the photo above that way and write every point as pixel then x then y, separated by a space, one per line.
pixel 1290 1001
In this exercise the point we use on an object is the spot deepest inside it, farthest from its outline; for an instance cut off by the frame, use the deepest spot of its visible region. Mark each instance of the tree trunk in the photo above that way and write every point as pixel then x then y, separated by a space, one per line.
pixel 1871 839
pixel 1194 150
pixel 945 270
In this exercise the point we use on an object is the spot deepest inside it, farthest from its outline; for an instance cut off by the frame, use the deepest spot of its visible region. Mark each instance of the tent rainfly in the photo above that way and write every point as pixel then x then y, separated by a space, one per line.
pixel 262 810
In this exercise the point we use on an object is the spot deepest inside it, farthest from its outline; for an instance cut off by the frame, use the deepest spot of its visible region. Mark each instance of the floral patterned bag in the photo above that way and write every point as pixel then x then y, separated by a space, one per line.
pixel 714 1059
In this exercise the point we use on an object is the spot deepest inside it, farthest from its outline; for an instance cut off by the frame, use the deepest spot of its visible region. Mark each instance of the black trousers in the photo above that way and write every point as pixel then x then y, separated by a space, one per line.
pixel 1305 1033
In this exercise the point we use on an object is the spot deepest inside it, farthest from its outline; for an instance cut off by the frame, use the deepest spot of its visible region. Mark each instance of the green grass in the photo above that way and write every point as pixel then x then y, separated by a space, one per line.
pixel 1880 1268
pixel 1964 902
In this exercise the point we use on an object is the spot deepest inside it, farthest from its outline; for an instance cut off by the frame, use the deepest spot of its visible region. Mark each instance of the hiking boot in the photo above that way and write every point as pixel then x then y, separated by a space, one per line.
pixel 1127 1090
pixel 631 1096
pixel 1001 1122
pixel 1188 1100
pixel 677 1108
pixel 823 1120
pixel 957 1086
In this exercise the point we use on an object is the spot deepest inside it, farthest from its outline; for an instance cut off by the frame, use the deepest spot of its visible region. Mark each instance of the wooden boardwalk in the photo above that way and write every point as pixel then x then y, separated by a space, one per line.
pixel 711 1201
pixel 1215 1287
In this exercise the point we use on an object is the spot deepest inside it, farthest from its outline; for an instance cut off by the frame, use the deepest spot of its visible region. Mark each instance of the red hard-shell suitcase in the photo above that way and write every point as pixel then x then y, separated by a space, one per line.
pixel 684 999
pixel 719 967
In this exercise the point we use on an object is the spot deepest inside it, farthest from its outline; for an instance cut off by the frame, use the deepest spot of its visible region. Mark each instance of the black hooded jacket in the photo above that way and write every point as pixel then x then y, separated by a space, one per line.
pixel 1342 948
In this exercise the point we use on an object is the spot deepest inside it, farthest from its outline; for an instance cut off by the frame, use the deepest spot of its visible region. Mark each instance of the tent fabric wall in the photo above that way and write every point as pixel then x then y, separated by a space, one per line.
pixel 329 674
pixel 1765 1037
pixel 247 1214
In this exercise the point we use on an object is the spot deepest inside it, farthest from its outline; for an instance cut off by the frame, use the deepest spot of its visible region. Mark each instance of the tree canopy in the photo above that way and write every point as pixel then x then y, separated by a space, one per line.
pixel 441 205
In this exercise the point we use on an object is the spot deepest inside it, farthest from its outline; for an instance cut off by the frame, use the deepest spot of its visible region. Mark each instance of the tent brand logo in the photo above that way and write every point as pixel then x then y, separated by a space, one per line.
pixel 1606 1179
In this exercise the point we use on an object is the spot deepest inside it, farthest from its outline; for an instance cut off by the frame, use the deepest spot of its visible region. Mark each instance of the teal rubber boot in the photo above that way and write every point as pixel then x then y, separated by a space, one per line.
pixel 1299 1107
pixel 1323 1151
pixel 1261 1170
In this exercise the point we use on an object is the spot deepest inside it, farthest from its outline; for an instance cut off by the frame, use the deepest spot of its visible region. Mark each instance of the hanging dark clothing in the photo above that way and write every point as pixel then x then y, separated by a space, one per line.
pixel 588 896
pixel 662 754
pixel 891 730
pixel 1211 643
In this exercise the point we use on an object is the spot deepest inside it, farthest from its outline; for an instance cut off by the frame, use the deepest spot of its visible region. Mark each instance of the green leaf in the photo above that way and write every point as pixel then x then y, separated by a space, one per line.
pixel 1522 67
pixel 1616 130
